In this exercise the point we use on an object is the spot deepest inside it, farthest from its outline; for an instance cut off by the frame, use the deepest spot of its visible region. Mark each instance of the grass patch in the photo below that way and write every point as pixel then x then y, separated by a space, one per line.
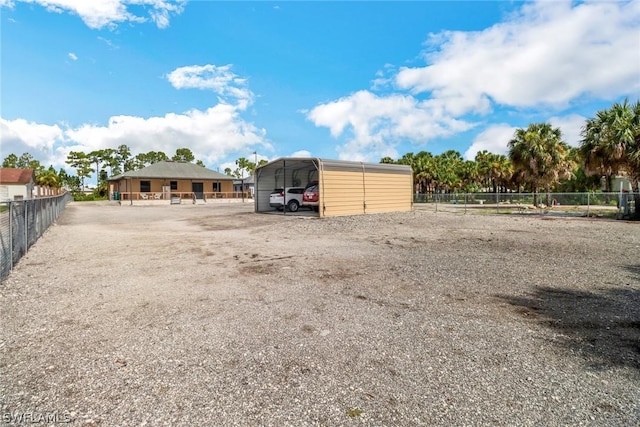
pixel 354 412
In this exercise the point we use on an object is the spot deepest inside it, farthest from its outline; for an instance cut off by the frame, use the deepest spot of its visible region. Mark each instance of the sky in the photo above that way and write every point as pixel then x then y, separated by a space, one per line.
pixel 351 80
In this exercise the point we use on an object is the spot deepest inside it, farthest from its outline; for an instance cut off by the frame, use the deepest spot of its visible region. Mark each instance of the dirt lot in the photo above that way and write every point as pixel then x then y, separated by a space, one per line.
pixel 213 315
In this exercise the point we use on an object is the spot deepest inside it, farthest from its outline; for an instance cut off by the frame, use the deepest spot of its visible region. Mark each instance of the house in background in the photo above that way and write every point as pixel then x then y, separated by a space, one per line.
pixel 245 184
pixel 16 184
pixel 168 180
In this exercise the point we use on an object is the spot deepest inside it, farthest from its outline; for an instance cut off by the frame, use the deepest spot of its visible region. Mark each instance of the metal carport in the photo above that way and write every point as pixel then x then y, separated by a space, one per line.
pixel 346 188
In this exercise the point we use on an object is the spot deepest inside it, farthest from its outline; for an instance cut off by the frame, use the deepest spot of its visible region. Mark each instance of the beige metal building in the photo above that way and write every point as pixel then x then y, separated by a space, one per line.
pixel 345 188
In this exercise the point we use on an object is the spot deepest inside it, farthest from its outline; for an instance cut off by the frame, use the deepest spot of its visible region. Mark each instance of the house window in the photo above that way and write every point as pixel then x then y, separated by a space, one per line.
pixel 216 187
pixel 174 185
pixel 145 186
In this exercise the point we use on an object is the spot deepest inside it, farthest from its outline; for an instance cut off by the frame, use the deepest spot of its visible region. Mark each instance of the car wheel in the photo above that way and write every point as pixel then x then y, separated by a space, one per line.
pixel 293 206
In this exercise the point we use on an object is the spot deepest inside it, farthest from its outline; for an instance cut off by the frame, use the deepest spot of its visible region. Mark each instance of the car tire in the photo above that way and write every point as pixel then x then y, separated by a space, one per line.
pixel 293 206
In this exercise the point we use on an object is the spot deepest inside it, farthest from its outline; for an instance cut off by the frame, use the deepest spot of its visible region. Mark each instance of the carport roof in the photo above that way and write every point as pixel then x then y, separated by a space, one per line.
pixel 171 169
pixel 329 164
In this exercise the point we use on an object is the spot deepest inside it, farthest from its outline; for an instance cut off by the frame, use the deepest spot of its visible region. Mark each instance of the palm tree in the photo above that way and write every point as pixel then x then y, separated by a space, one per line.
pixel 48 178
pixel 387 160
pixel 540 157
pixel 501 172
pixel 448 168
pixel 470 176
pixel 483 160
pixel 611 145
pixel 600 154
pixel 423 172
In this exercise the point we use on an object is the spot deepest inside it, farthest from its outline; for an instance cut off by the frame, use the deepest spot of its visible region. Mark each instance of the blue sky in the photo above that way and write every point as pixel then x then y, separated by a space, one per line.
pixel 352 80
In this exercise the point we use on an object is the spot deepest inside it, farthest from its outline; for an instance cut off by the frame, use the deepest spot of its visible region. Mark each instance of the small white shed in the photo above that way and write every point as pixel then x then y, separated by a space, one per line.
pixel 16 184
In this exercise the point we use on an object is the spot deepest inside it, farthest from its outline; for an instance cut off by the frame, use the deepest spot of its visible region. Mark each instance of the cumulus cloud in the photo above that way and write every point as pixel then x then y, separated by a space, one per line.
pixel 219 79
pixel 98 14
pixel 40 140
pixel 571 127
pixel 494 139
pixel 549 53
pixel 20 136
pixel 379 123
pixel 211 135
pixel 301 153
pixel 73 56
pixel 545 55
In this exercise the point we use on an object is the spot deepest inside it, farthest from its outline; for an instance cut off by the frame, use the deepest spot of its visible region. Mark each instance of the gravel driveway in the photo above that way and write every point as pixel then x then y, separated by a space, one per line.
pixel 195 315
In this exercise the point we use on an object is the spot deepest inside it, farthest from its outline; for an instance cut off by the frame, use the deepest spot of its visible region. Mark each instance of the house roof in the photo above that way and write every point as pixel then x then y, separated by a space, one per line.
pixel 16 176
pixel 170 169
pixel 246 180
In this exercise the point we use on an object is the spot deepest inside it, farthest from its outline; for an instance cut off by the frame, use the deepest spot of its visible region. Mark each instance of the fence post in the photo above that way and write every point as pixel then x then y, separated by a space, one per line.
pixel 26 227
pixel 11 235
pixel 588 204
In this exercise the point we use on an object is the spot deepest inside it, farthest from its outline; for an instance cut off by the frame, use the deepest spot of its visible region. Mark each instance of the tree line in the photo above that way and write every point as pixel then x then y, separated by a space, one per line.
pixel 107 162
pixel 539 160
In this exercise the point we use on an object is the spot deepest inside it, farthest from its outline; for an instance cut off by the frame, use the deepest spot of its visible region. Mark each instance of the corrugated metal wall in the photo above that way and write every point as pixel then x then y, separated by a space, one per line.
pixel 346 188
pixel 352 188
pixel 386 192
pixel 341 193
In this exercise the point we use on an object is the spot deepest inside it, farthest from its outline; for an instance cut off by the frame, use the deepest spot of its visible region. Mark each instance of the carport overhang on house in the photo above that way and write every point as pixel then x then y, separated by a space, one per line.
pixel 345 187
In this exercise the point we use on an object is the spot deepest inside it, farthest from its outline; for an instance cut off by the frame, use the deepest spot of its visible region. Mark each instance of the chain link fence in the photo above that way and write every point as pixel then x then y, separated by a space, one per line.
pixel 615 205
pixel 22 222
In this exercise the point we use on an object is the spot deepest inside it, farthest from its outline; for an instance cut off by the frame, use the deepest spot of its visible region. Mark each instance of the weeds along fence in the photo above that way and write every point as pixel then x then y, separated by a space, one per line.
pixel 615 205
pixel 22 222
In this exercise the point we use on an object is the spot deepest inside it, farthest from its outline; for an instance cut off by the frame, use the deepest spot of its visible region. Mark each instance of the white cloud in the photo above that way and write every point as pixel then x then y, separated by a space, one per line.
pixel 73 56
pixel 494 139
pixel 109 43
pixel 219 79
pixel 571 127
pixel 548 54
pixel 98 14
pixel 301 153
pixel 378 124
pixel 20 136
pixel 211 135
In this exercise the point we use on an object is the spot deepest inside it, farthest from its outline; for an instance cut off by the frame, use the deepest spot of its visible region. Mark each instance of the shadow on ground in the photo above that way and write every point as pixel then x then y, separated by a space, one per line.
pixel 603 326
